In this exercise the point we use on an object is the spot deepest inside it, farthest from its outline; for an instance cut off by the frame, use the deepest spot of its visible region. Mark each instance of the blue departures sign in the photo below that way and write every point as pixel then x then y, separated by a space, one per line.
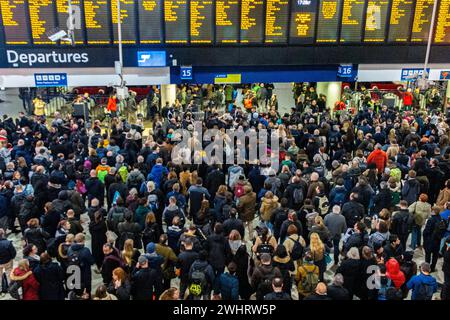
pixel 50 79
pixel 151 58
pixel 345 71
pixel 186 72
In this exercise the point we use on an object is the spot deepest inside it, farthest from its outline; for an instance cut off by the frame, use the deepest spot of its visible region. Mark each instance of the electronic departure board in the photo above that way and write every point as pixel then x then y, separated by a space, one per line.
pixel 422 20
pixel 96 17
pixel 277 15
pixel 150 30
pixel 303 21
pixel 252 21
pixel 15 21
pixel 42 20
pixel 328 21
pixel 176 21
pixel 352 20
pixel 442 34
pixel 202 15
pixel 128 19
pixel 376 20
pixel 62 11
pixel 400 20
pixel 227 21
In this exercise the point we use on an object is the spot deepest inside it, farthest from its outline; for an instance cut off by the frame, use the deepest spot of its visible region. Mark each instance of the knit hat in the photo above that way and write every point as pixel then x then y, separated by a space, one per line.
pixel 150 247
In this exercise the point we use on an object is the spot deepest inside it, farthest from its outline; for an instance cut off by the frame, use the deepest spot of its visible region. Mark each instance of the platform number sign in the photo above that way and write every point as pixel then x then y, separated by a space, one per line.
pixel 186 73
pixel 345 71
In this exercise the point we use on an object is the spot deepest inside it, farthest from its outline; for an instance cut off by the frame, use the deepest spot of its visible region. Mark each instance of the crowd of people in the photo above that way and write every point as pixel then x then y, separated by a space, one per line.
pixel 358 197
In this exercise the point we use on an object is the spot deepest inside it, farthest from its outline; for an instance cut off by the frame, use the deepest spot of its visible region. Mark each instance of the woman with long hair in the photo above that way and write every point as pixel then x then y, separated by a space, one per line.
pixel 97 229
pixel 130 255
pixel 29 284
pixel 239 255
pixel 170 294
pixel 264 240
pixel 151 231
pixel 317 249
pixel 120 285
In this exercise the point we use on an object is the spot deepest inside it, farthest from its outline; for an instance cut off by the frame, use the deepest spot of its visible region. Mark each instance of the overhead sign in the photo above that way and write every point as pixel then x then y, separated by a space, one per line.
pixel 50 79
pixel 186 72
pixel 345 71
pixel 151 58
pixel 409 74
pixel 228 78
pixel 444 75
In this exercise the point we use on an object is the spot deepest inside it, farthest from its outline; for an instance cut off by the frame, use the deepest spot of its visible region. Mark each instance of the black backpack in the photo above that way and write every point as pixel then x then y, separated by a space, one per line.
pixel 197 281
pixel 439 229
pixel 265 286
pixel 264 247
pixel 73 259
pixel 150 233
pixel 297 250
pixel 424 292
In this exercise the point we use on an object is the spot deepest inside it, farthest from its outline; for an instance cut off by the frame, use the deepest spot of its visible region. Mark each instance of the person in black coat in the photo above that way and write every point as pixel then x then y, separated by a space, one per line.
pixel 432 238
pixel 117 186
pixel 214 179
pixel 297 183
pixel 216 246
pixel 97 229
pixel 129 230
pixel 111 261
pixel 353 211
pixel 144 281
pixel 382 199
pixel 350 270
pixel 184 263
pixel 436 179
pixel 95 188
pixel 337 291
pixel 233 223
pixel 51 279
pixel 51 219
pixel 34 234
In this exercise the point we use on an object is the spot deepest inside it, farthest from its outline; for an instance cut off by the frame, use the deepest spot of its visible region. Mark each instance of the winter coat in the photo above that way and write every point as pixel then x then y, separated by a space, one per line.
pixel 443 198
pixel 110 262
pixel 379 157
pixel 144 282
pixel 246 205
pixel 415 283
pixel 129 230
pixel 382 200
pixel 353 212
pixel 336 224
pixel 411 190
pixel 421 212
pixel 98 239
pixel 268 206
pixel 7 251
pixel 30 286
pixel 216 245
pixel 431 241
pixel 37 236
pixel 350 270
pixel 51 278
pixel 229 286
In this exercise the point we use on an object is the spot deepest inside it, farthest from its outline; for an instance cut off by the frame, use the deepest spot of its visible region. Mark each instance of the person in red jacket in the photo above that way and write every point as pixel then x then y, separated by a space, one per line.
pixel 379 157
pixel 393 272
pixel 30 286
pixel 112 105
pixel 408 99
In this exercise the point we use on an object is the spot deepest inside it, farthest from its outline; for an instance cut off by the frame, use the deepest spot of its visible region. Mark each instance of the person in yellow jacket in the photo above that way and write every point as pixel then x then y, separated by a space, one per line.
pixel 307 276
pixel 39 107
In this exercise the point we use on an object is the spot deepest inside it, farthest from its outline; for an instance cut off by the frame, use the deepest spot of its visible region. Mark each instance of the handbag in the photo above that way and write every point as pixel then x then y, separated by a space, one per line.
pixel 111 236
pixel 327 258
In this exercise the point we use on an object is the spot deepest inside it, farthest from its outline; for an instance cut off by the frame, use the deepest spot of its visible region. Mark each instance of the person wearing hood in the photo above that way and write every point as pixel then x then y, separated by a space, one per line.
pixel 379 157
pixel 51 279
pixel 394 273
pixel 285 264
pixel 155 261
pixel 269 204
pixel 30 286
pixel 85 259
pixel 201 264
pixel 423 285
pixel 246 209
pixel 238 254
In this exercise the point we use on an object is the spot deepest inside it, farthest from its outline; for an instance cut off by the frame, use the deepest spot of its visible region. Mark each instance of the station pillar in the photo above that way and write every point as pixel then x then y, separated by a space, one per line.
pixel 332 90
pixel 168 93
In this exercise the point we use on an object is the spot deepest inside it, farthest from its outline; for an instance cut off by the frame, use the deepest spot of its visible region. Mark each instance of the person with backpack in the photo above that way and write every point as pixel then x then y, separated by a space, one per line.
pixel 171 211
pixel 433 233
pixel 117 214
pixel 184 263
pixel 233 223
pixel 291 219
pixel 411 188
pixel 265 243
pixel 128 230
pixel 387 289
pixel 229 283
pixel 423 285
pixel 269 204
pixel 79 255
pixel 102 169
pixel 201 278
pixel 294 244
pixel 307 276
pixel 335 222
pixel 402 222
pixel 338 194
pixel 321 202
pixel 421 211
pixel 352 210
pixel 283 261
pixel 261 279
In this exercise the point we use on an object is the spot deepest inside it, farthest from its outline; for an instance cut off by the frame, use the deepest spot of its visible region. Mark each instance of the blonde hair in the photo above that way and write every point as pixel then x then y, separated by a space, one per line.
pixel 316 245
pixel 128 251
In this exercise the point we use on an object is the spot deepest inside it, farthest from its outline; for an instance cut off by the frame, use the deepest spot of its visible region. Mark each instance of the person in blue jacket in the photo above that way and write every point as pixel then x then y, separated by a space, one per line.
pixel 423 285
pixel 229 284
pixel 157 173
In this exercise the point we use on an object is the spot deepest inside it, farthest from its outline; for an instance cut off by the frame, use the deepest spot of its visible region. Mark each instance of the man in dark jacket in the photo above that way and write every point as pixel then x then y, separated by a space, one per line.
pixel 214 179
pixel 352 210
pixel 7 254
pixel 337 291
pixel 229 283
pixel 358 237
pixel 216 246
pixel 436 178
pixel 233 223
pixel 117 186
pixel 278 293
pixel 320 293
pixel 110 262
pixel 402 222
pixel 184 263
pixel 292 219
pixel 196 193
pixel 393 249
pixel 297 183
pixel 143 280
pixel 263 275
pixel 95 188
pixel 201 265
pixel 81 256
pixel 50 219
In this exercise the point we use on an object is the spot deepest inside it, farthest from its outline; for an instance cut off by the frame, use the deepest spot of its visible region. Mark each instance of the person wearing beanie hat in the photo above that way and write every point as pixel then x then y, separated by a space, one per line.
pixel 155 261
pixel 145 281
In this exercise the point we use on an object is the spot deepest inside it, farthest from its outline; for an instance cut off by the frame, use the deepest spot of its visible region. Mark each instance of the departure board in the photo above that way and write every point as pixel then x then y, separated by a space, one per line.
pixel 97 21
pixel 127 18
pixel 62 11
pixel 227 21
pixel 277 15
pixel 400 20
pixel 376 20
pixel 202 15
pixel 15 22
pixel 252 21
pixel 42 20
pixel 442 34
pixel 328 21
pixel 303 21
pixel 176 21
pixel 352 20
pixel 422 20
pixel 150 31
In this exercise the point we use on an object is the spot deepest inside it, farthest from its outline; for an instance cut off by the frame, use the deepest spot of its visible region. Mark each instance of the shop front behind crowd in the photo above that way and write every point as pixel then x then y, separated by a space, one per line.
pixel 359 196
